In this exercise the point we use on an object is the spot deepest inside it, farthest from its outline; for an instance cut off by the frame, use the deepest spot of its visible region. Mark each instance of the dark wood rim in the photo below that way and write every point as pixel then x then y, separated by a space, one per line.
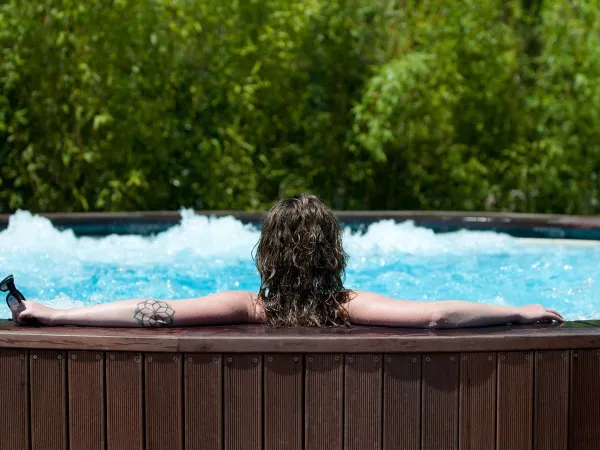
pixel 249 338
pixel 479 219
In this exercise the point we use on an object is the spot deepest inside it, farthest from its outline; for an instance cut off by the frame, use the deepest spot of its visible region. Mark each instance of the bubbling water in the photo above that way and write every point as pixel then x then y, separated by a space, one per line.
pixel 201 255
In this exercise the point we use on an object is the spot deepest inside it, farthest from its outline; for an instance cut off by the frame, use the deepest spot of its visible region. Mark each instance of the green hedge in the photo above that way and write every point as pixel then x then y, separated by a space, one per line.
pixel 371 104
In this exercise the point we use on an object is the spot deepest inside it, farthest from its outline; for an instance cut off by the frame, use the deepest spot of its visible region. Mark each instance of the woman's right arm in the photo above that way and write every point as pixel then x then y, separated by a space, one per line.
pixel 222 308
pixel 369 308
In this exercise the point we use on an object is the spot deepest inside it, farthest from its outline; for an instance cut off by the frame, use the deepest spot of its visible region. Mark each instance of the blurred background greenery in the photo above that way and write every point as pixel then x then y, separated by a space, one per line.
pixel 370 104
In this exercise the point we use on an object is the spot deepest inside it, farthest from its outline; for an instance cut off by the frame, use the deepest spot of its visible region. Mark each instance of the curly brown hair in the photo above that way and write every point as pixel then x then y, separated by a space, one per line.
pixel 302 265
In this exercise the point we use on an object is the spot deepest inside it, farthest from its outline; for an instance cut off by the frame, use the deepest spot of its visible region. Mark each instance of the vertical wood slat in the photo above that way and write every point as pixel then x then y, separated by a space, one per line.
pixel 584 431
pixel 515 401
pixel 362 401
pixel 48 382
pixel 477 416
pixel 203 397
pixel 551 400
pixel 86 400
pixel 124 401
pixel 440 401
pixel 14 385
pixel 164 406
pixel 324 387
pixel 402 402
pixel 283 397
pixel 242 389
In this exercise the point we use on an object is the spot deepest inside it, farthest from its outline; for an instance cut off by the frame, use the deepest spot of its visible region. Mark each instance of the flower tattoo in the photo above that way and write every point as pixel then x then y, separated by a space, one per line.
pixel 154 314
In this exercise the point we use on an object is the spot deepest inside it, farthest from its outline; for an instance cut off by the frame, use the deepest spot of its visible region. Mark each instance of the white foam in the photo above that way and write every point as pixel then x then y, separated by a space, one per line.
pixel 203 236
pixel 387 236
pixel 222 238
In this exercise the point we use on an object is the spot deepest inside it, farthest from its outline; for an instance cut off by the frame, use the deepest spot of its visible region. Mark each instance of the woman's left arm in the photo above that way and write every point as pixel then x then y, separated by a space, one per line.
pixel 369 308
pixel 220 308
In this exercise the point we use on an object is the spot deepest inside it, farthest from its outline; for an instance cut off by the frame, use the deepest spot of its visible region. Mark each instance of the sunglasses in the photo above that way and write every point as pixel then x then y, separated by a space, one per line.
pixel 14 295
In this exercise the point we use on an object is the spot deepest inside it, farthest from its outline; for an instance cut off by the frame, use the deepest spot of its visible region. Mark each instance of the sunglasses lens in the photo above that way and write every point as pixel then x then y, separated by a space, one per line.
pixel 5 285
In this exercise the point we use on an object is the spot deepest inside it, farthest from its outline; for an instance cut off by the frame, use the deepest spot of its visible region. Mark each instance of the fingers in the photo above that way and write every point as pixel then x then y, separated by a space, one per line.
pixel 16 309
pixel 556 316
pixel 556 312
pixel 21 314
pixel 551 315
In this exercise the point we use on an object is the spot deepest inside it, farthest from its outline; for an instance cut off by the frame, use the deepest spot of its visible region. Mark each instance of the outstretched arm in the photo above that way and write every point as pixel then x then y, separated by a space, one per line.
pixel 368 308
pixel 221 308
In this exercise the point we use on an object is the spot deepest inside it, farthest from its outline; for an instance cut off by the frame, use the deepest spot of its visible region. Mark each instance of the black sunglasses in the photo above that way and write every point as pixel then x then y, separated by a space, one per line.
pixel 8 285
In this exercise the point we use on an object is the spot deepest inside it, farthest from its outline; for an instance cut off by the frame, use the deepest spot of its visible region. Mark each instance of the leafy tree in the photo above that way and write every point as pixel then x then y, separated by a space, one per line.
pixel 157 104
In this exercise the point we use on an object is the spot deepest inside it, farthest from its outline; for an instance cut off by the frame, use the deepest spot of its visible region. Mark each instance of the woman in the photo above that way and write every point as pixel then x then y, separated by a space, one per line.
pixel 301 264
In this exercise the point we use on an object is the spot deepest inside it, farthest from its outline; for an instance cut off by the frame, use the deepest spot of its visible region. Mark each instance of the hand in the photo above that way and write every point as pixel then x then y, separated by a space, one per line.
pixel 28 311
pixel 538 314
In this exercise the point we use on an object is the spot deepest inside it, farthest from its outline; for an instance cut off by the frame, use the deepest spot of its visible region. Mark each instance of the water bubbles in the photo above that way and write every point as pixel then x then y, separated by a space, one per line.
pixel 63 301
pixel 203 255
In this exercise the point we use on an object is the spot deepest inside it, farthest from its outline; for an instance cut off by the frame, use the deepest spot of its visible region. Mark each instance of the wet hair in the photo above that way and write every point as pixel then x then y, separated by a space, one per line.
pixel 302 265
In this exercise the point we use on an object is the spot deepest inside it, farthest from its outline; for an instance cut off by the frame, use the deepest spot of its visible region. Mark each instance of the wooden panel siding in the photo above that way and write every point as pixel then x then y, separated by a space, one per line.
pixel 515 401
pixel 477 416
pixel 283 402
pixel 49 419
pixel 584 431
pixel 551 396
pixel 124 401
pixel 14 386
pixel 86 401
pixel 74 399
pixel 362 402
pixel 163 401
pixel 203 389
pixel 324 396
pixel 243 402
pixel 402 402
pixel 440 401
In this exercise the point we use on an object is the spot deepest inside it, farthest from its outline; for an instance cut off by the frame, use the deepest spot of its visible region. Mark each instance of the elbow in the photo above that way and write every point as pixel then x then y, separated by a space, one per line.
pixel 438 319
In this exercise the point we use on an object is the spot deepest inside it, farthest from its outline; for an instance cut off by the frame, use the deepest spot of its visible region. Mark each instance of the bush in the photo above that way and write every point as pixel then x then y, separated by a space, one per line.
pixel 157 104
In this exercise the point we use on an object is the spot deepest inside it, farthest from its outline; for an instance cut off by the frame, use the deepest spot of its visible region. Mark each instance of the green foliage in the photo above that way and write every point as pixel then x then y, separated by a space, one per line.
pixel 157 104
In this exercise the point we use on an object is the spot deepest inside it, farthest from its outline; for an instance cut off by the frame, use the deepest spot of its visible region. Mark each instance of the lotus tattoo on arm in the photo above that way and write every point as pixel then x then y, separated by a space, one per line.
pixel 154 314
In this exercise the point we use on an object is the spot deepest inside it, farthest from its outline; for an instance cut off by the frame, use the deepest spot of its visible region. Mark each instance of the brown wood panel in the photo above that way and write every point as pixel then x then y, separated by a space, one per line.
pixel 242 390
pixel 14 386
pixel 477 417
pixel 163 390
pixel 440 401
pixel 584 416
pixel 514 423
pixel 323 397
pixel 86 401
pixel 124 401
pixel 363 401
pixel 283 399
pixel 260 339
pixel 47 373
pixel 402 402
pixel 551 400
pixel 203 397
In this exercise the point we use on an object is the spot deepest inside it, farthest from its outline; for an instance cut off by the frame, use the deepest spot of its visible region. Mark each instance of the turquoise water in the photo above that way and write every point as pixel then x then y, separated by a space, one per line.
pixel 203 255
